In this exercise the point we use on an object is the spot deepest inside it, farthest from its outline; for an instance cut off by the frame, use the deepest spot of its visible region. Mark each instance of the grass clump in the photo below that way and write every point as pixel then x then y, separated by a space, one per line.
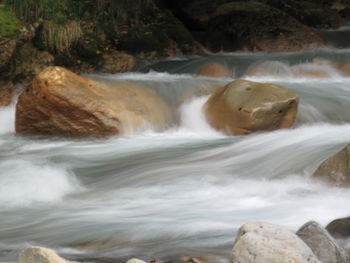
pixel 59 38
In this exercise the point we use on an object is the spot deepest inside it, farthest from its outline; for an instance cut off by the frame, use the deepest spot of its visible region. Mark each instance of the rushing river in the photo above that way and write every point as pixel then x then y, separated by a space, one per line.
pixel 184 191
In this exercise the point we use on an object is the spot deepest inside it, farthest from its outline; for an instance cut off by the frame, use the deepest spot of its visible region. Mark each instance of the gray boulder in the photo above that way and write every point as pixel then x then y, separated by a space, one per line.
pixel 322 244
pixel 259 242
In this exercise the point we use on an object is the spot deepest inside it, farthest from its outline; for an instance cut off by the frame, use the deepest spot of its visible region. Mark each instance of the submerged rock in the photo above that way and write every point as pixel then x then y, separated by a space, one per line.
pixel 40 255
pixel 318 68
pixel 59 102
pixel 214 70
pixel 345 69
pixel 315 69
pixel 336 169
pixel 339 228
pixel 243 107
pixel 322 244
pixel 259 242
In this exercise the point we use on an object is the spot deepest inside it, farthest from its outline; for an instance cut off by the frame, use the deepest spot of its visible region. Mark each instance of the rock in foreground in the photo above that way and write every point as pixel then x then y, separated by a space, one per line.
pixel 40 255
pixel 259 242
pixel 59 102
pixel 339 228
pixel 322 244
pixel 243 107
pixel 135 260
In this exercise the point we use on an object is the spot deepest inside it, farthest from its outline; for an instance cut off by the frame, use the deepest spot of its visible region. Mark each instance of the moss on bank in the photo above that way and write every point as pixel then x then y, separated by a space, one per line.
pixel 68 27
pixel 9 23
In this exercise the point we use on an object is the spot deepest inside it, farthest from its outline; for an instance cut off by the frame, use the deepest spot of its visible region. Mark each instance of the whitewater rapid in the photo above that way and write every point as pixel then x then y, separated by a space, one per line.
pixel 184 191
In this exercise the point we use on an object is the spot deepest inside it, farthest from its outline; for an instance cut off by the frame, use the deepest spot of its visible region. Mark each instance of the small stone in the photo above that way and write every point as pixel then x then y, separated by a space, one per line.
pixel 135 260
pixel 214 70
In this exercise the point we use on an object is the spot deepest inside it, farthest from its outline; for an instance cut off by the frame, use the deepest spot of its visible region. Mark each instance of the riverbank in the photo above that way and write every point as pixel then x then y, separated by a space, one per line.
pixel 78 37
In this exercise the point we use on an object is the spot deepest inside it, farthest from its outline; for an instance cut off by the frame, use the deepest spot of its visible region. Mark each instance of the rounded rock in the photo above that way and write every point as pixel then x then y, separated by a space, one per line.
pixel 243 107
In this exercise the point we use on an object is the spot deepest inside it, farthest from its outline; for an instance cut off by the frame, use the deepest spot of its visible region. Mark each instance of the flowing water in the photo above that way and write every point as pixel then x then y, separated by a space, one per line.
pixel 186 190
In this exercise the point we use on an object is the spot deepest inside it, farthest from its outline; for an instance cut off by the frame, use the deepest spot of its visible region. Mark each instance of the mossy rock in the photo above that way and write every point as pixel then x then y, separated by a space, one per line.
pixel 9 24
pixel 256 26
pixel 157 36
pixel 145 39
pixel 315 14
pixel 194 14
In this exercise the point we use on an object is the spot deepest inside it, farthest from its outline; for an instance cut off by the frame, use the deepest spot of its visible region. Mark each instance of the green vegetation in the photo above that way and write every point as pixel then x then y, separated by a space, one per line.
pixel 104 11
pixel 9 24
pixel 63 23
pixel 35 10
pixel 81 31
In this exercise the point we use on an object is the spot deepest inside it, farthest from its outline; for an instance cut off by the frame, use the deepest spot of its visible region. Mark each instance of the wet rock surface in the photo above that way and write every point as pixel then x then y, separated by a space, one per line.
pixel 59 102
pixel 259 242
pixel 339 228
pixel 322 244
pixel 243 107
pixel 336 169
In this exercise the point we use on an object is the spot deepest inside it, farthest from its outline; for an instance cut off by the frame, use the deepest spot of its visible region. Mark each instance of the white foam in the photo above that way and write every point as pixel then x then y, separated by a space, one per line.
pixel 192 118
pixel 152 75
pixel 23 183
pixel 309 114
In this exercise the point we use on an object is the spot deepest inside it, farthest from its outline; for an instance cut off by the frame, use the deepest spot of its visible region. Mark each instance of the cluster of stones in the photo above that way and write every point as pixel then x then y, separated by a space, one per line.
pixel 256 242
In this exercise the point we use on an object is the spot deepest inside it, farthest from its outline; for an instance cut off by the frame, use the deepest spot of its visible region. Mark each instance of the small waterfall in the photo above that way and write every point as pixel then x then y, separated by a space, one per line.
pixel 193 119
pixel 7 119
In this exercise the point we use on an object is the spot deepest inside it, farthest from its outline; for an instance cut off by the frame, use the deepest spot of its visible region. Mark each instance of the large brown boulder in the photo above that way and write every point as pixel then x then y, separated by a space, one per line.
pixel 242 107
pixel 336 169
pixel 255 26
pixel 59 102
